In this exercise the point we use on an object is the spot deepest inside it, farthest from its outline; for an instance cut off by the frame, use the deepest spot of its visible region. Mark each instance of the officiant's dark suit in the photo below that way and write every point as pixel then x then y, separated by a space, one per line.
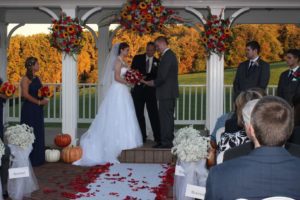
pixel 167 91
pixel 143 95
pixel 253 73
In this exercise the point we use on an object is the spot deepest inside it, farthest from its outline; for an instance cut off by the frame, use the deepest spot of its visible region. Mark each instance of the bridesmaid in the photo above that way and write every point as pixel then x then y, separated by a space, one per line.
pixel 32 110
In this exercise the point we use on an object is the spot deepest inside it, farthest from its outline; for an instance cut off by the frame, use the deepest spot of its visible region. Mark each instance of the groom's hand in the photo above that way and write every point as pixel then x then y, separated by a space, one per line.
pixel 149 83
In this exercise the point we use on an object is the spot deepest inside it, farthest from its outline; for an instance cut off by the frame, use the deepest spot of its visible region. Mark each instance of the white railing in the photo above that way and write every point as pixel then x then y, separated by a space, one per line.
pixel 190 106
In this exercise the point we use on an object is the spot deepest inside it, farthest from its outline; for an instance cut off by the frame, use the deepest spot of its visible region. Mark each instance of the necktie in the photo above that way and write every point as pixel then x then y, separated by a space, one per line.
pixel 250 67
pixel 290 74
pixel 147 65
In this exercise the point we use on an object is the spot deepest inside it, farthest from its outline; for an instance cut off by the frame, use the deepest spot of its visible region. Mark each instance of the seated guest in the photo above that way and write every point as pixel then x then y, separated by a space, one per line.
pixel 269 170
pixel 246 148
pixel 231 139
pixel 295 137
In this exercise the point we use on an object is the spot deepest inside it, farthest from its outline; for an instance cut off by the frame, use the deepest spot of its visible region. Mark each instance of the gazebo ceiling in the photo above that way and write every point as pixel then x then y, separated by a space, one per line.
pixel 261 11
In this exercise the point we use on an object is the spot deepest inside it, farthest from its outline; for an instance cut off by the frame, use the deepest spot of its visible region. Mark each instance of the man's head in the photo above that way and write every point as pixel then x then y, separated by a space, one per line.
pixel 161 43
pixel 150 49
pixel 252 49
pixel 292 57
pixel 271 122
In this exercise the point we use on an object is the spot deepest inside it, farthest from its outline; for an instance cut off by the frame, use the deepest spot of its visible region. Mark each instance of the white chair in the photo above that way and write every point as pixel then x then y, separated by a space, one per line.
pixel 278 198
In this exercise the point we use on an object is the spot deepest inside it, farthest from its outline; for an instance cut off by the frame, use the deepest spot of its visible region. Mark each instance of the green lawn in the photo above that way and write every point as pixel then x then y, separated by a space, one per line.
pixel 229 74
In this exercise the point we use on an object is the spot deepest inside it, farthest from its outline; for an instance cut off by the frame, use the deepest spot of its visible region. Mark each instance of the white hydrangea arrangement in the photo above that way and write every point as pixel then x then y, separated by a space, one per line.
pixel 189 145
pixel 20 135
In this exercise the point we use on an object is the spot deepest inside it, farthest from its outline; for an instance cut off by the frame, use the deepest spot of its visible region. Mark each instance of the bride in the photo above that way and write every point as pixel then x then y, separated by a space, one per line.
pixel 115 127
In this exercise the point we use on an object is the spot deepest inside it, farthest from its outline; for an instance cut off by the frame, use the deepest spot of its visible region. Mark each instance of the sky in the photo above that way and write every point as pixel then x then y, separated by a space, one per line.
pixel 30 29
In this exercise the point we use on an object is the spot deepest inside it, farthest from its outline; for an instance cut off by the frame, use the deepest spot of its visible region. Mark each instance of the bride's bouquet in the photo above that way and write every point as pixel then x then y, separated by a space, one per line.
pixel 20 135
pixel 45 92
pixel 133 76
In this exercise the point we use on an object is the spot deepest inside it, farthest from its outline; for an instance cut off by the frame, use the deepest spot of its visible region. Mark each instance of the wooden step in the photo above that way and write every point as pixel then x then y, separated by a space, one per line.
pixel 147 154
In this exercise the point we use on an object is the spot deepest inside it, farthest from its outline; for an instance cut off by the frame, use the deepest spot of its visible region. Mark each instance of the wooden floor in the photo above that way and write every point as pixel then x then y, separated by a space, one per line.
pixel 147 154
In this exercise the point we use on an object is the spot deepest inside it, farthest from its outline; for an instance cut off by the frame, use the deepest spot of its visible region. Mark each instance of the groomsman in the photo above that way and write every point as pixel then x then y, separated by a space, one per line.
pixel 166 84
pixel 288 85
pixel 142 94
pixel 252 73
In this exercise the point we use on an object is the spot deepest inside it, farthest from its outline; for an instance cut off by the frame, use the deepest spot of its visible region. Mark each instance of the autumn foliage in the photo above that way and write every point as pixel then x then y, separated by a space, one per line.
pixel 185 41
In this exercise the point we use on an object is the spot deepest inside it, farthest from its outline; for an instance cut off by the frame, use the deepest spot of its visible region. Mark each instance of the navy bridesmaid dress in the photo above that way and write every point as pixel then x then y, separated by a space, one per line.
pixel 33 115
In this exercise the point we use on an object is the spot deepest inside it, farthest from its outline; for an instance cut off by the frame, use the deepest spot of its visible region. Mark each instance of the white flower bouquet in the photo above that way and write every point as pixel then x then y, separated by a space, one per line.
pixel 20 135
pixel 189 145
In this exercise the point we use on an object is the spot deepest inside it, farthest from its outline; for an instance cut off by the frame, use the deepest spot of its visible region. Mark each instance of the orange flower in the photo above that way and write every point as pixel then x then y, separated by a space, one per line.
pixel 137 23
pixel 226 45
pixel 8 93
pixel 133 29
pixel 204 40
pixel 55 27
pixel 148 30
pixel 143 5
pixel 160 26
pixel 143 17
pixel 124 14
pixel 149 17
pixel 157 10
pixel 157 15
pixel 227 31
pixel 65 34
pixel 215 30
pixel 71 29
pixel 77 42
pixel 129 17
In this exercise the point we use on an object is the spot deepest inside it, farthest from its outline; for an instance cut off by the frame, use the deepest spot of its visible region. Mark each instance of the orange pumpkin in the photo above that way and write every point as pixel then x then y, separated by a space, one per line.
pixel 71 154
pixel 62 140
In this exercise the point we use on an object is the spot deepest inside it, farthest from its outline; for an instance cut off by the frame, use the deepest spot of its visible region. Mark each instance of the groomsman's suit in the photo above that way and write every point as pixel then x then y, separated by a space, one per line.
pixel 288 85
pixel 167 91
pixel 143 94
pixel 250 75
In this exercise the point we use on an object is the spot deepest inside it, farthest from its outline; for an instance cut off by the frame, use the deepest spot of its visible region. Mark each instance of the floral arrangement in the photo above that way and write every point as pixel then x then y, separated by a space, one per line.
pixel 133 77
pixel 217 36
pixel 189 145
pixel 8 89
pixel 20 135
pixel 2 150
pixel 296 76
pixel 144 16
pixel 45 92
pixel 66 35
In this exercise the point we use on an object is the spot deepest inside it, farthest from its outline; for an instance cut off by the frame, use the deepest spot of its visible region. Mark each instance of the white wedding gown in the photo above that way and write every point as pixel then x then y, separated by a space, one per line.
pixel 115 128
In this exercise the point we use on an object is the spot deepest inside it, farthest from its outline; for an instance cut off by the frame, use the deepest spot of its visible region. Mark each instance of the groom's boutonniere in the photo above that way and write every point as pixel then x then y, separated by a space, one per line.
pixel 155 64
pixel 296 76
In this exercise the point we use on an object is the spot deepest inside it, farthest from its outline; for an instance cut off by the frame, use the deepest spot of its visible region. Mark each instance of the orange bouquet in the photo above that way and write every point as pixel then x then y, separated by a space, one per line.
pixel 45 92
pixel 8 89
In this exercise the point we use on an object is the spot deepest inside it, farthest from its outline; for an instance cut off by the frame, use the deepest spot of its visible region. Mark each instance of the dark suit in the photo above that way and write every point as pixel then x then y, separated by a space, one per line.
pixel 245 149
pixel 257 76
pixel 287 88
pixel 265 172
pixel 167 91
pixel 143 94
pixel 295 137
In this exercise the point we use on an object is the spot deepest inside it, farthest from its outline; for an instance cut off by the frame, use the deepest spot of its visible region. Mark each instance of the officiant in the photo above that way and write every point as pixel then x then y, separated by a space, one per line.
pixel 143 95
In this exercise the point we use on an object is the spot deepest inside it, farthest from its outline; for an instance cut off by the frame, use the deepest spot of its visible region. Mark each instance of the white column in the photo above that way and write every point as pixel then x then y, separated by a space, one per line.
pixel 69 88
pixel 214 85
pixel 103 49
pixel 3 58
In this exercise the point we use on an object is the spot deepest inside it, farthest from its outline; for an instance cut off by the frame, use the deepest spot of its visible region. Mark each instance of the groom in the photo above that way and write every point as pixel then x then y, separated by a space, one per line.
pixel 142 94
pixel 166 84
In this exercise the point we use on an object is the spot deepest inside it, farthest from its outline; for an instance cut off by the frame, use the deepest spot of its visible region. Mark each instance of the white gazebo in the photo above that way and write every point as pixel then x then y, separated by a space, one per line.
pixel 103 12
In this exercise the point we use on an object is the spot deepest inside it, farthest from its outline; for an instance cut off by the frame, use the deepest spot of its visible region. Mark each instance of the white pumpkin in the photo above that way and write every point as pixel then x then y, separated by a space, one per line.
pixel 52 155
